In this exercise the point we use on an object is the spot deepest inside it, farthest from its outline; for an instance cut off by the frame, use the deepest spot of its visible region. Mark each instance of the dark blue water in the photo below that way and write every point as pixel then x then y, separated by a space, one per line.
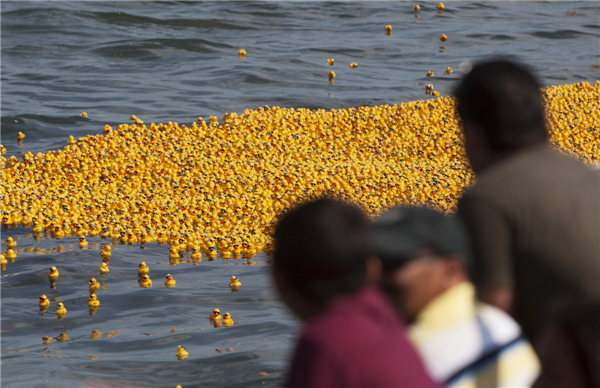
pixel 176 61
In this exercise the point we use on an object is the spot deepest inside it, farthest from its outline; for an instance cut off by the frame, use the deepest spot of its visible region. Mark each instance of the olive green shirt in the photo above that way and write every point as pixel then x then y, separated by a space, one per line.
pixel 534 222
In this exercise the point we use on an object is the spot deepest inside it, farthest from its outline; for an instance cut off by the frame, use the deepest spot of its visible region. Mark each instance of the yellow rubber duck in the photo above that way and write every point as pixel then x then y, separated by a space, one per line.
pixel 428 88
pixel 10 243
pixel 72 140
pixel 83 114
pixel 234 282
pixel 416 7
pixel 93 301
pixel 216 315
pixel 106 251
pixel 181 353
pixel 330 61
pixel 331 75
pixel 448 71
pixel 212 252
pixel 353 65
pixel 47 340
pixel 430 73
pixel 242 52
pixel 173 253
pixel 94 285
pixel 60 308
pixel 53 274
pixel 11 254
pixel 103 269
pixel 143 268
pixel 3 260
pixel 82 242
pixel 196 254
pixel 44 302
pixel 145 282
pixel 227 321
pixel 443 37
pixel 435 93
pixel 20 136
pixel 388 28
pixel 440 6
pixel 170 282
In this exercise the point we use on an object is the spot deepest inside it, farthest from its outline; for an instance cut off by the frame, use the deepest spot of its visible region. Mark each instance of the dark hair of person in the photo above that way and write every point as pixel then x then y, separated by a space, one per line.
pixel 504 100
pixel 321 249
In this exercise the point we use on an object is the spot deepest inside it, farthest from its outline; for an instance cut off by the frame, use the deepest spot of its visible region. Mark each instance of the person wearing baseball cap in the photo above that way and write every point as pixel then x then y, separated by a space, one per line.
pixel 426 262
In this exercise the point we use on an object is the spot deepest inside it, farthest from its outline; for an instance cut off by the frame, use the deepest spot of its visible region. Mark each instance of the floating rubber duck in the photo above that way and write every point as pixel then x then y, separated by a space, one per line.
pixel 170 282
pixel 212 252
pixel 331 75
pixel 440 6
pixel 20 136
pixel 106 251
pixel 43 303
pixel 234 282
pixel 82 242
pixel 53 274
pixel 443 37
pixel 448 71
pixel 430 73
pixel 227 321
pixel 145 282
pixel 61 311
pixel 242 52
pixel 353 65
pixel 11 254
pixel 173 254
pixel 435 93
pixel 196 254
pixel 83 114
pixel 103 269
pixel 95 334
pixel 388 28
pixel 93 301
pixel 216 315
pixel 62 337
pixel 10 243
pixel 181 353
pixel 47 340
pixel 94 285
pixel 72 140
pixel 428 88
pixel 330 61
pixel 416 7
pixel 143 268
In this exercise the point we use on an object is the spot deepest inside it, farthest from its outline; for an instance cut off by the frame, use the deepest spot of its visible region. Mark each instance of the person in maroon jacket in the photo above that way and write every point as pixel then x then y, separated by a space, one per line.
pixel 352 336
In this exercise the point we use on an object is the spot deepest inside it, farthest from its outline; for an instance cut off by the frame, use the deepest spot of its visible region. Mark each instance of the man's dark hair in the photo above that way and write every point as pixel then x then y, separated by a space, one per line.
pixel 321 249
pixel 504 100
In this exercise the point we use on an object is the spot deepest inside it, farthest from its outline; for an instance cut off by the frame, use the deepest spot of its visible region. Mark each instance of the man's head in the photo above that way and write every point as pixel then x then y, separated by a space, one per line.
pixel 501 108
pixel 321 252
pixel 423 253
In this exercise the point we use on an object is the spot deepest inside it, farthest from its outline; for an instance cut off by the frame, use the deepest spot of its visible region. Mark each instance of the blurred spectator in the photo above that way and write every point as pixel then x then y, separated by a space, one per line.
pixel 352 336
pixel 463 342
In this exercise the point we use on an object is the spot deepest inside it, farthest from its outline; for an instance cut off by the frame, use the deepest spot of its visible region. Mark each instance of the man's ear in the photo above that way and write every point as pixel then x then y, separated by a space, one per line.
pixel 374 270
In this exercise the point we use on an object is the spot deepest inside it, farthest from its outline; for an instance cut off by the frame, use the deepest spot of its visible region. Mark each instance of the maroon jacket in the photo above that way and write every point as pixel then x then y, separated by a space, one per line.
pixel 360 342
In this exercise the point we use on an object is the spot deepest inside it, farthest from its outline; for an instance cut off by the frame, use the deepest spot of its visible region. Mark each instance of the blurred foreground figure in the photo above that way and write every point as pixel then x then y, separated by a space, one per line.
pixel 352 336
pixel 464 343
pixel 534 213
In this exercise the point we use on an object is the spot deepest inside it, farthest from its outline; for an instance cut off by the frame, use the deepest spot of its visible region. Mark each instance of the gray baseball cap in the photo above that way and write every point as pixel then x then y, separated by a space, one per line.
pixel 398 234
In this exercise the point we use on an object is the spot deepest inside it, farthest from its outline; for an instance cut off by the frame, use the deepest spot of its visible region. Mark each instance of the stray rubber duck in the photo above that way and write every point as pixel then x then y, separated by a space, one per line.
pixel 145 282
pixel 173 253
pixel 20 136
pixel 353 65
pixel 242 53
pixel 430 73
pixel 103 269
pixel 94 285
pixel 443 37
pixel 416 7
pixel 72 140
pixel 440 6
pixel 44 303
pixel 10 243
pixel 93 301
pixel 11 254
pixel 83 114
pixel 3 260
pixel 196 254
pixel 95 334
pixel 216 315
pixel 82 242
pixel 227 321
pixel 47 340
pixel 181 353
pixel 61 310
pixel 170 282
pixel 388 28
pixel 448 71
pixel 435 93
pixel 234 282
pixel 428 88
pixel 53 274
pixel 143 268
pixel 330 61
pixel 331 75
pixel 106 251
